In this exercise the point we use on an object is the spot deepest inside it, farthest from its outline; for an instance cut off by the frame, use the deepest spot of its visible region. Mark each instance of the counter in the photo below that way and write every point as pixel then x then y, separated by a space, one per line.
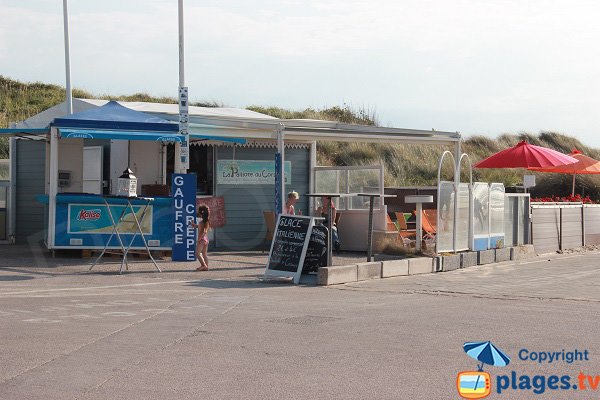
pixel 82 222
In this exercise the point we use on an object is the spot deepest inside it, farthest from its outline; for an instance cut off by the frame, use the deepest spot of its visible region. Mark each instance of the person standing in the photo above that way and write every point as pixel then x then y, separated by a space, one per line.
pixel 203 226
pixel 292 199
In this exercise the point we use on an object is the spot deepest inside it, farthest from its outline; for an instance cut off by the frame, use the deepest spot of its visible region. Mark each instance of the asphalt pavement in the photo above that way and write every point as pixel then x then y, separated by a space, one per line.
pixel 67 333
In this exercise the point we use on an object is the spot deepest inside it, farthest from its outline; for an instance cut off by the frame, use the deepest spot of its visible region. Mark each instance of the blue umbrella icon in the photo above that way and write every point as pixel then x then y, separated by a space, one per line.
pixel 487 353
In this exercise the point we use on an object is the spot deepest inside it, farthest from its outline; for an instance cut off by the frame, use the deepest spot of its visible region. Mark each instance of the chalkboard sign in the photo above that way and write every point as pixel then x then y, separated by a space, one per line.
pixel 316 253
pixel 288 248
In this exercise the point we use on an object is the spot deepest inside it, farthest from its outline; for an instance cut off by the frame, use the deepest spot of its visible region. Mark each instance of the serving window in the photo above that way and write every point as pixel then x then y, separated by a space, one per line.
pixel 201 163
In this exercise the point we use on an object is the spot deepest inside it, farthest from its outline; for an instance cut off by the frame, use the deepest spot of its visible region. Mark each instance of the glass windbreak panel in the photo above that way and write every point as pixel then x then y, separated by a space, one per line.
pixel 510 220
pixel 480 208
pixel 523 219
pixel 462 222
pixel 4 170
pixel 347 180
pixel 445 216
pixel 496 208
pixel 328 181
pixel 364 181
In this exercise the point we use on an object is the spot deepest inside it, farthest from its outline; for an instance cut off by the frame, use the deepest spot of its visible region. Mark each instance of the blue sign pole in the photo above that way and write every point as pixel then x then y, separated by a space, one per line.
pixel 278 205
pixel 183 190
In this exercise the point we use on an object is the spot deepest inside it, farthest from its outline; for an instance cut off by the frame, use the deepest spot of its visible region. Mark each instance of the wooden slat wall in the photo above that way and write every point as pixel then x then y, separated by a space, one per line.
pixel 244 204
pixel 592 225
pixel 30 176
pixel 545 229
pixel 571 228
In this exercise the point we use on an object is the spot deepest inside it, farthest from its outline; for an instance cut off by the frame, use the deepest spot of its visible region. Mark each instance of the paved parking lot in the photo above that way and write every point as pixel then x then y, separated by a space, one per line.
pixel 69 334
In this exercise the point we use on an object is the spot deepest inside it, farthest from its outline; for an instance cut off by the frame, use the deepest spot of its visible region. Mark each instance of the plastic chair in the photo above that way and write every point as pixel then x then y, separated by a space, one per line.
pixel 403 228
pixel 270 221
pixel 429 228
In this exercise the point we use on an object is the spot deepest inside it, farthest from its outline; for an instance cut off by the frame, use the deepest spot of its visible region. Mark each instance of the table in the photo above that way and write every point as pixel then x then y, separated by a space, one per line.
pixel 371 196
pixel 419 200
pixel 115 230
pixel 329 219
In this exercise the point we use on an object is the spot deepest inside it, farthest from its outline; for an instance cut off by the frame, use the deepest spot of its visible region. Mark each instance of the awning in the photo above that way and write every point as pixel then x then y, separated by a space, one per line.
pixel 112 115
pixel 24 131
pixel 168 137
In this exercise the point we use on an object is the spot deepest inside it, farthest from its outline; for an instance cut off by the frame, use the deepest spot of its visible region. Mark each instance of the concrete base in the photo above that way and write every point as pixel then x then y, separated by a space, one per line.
pixel 420 265
pixel 486 256
pixel 437 264
pixel 394 268
pixel 522 252
pixel 503 254
pixel 336 275
pixel 369 270
pixel 468 259
pixel 450 263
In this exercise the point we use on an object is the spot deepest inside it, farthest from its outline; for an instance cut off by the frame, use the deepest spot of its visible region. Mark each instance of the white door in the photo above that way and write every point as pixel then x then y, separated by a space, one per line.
pixel 92 169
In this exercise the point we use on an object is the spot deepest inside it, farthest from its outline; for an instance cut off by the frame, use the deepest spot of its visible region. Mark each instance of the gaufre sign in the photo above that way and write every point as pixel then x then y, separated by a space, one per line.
pixel 183 190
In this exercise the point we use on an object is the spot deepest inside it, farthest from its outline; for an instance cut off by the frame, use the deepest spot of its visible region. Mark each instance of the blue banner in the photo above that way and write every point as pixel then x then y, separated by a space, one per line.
pixel 278 205
pixel 183 190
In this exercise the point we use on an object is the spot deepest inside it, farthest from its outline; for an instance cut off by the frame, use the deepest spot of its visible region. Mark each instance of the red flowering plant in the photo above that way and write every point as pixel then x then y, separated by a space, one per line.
pixel 566 199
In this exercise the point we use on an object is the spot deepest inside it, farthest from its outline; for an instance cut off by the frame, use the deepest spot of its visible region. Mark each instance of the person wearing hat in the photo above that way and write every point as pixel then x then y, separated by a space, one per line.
pixel 292 199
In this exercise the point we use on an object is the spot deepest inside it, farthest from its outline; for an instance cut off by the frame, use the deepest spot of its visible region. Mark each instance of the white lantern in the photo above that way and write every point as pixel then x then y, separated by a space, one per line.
pixel 127 184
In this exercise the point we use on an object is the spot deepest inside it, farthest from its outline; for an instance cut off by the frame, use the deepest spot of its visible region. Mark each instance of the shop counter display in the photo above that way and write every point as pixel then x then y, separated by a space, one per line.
pixel 83 222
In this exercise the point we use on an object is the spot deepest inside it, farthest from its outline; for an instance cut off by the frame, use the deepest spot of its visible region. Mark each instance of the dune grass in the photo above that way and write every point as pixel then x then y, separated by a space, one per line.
pixel 405 164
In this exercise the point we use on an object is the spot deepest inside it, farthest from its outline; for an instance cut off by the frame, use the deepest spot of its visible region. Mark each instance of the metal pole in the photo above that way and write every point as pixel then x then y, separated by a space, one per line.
pixel 183 151
pixel 181 45
pixel 281 151
pixel 329 233
pixel 419 226
pixel 370 237
pixel 69 100
pixel 583 224
pixel 53 186
pixel 573 191
pixel 560 229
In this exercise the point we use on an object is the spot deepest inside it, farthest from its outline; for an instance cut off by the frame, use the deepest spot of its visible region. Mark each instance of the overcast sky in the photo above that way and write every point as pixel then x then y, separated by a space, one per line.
pixel 474 66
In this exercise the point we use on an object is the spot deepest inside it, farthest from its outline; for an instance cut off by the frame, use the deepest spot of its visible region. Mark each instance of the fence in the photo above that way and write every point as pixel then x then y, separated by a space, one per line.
pixel 561 226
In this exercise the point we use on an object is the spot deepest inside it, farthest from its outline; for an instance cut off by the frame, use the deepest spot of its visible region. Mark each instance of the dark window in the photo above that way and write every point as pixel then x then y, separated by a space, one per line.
pixel 201 163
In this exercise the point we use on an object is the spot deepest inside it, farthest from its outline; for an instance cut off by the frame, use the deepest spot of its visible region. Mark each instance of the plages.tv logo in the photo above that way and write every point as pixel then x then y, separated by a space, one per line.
pixel 478 384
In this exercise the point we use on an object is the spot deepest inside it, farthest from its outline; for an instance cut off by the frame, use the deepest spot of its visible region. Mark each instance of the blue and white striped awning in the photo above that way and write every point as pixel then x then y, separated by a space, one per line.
pixel 168 137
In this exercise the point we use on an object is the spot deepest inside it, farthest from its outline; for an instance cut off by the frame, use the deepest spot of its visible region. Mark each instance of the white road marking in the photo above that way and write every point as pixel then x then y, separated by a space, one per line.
pixel 119 314
pixel 95 287
pixel 43 320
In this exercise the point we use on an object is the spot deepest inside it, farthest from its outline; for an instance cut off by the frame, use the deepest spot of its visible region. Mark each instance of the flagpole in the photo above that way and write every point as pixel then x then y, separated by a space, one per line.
pixel 183 151
pixel 69 100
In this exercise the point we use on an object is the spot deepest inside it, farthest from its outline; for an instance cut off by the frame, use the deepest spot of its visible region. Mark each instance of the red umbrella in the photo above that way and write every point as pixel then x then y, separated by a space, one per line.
pixel 584 165
pixel 525 155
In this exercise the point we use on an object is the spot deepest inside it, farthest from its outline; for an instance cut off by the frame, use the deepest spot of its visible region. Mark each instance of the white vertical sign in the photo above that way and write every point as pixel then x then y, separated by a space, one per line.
pixel 183 127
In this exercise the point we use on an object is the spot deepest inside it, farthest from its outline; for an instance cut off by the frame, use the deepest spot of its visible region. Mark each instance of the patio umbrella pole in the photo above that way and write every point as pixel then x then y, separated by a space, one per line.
pixel 573 192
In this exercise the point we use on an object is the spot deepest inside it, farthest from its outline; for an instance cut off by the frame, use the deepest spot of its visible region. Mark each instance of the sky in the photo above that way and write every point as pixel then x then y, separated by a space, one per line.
pixel 472 66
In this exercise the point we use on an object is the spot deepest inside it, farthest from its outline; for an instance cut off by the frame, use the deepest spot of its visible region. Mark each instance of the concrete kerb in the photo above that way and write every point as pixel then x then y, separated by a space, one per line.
pixel 337 275
pixel 369 270
pixel 522 252
pixel 503 254
pixel 486 256
pixel 450 262
pixel 394 268
pixel 419 265
pixel 468 259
